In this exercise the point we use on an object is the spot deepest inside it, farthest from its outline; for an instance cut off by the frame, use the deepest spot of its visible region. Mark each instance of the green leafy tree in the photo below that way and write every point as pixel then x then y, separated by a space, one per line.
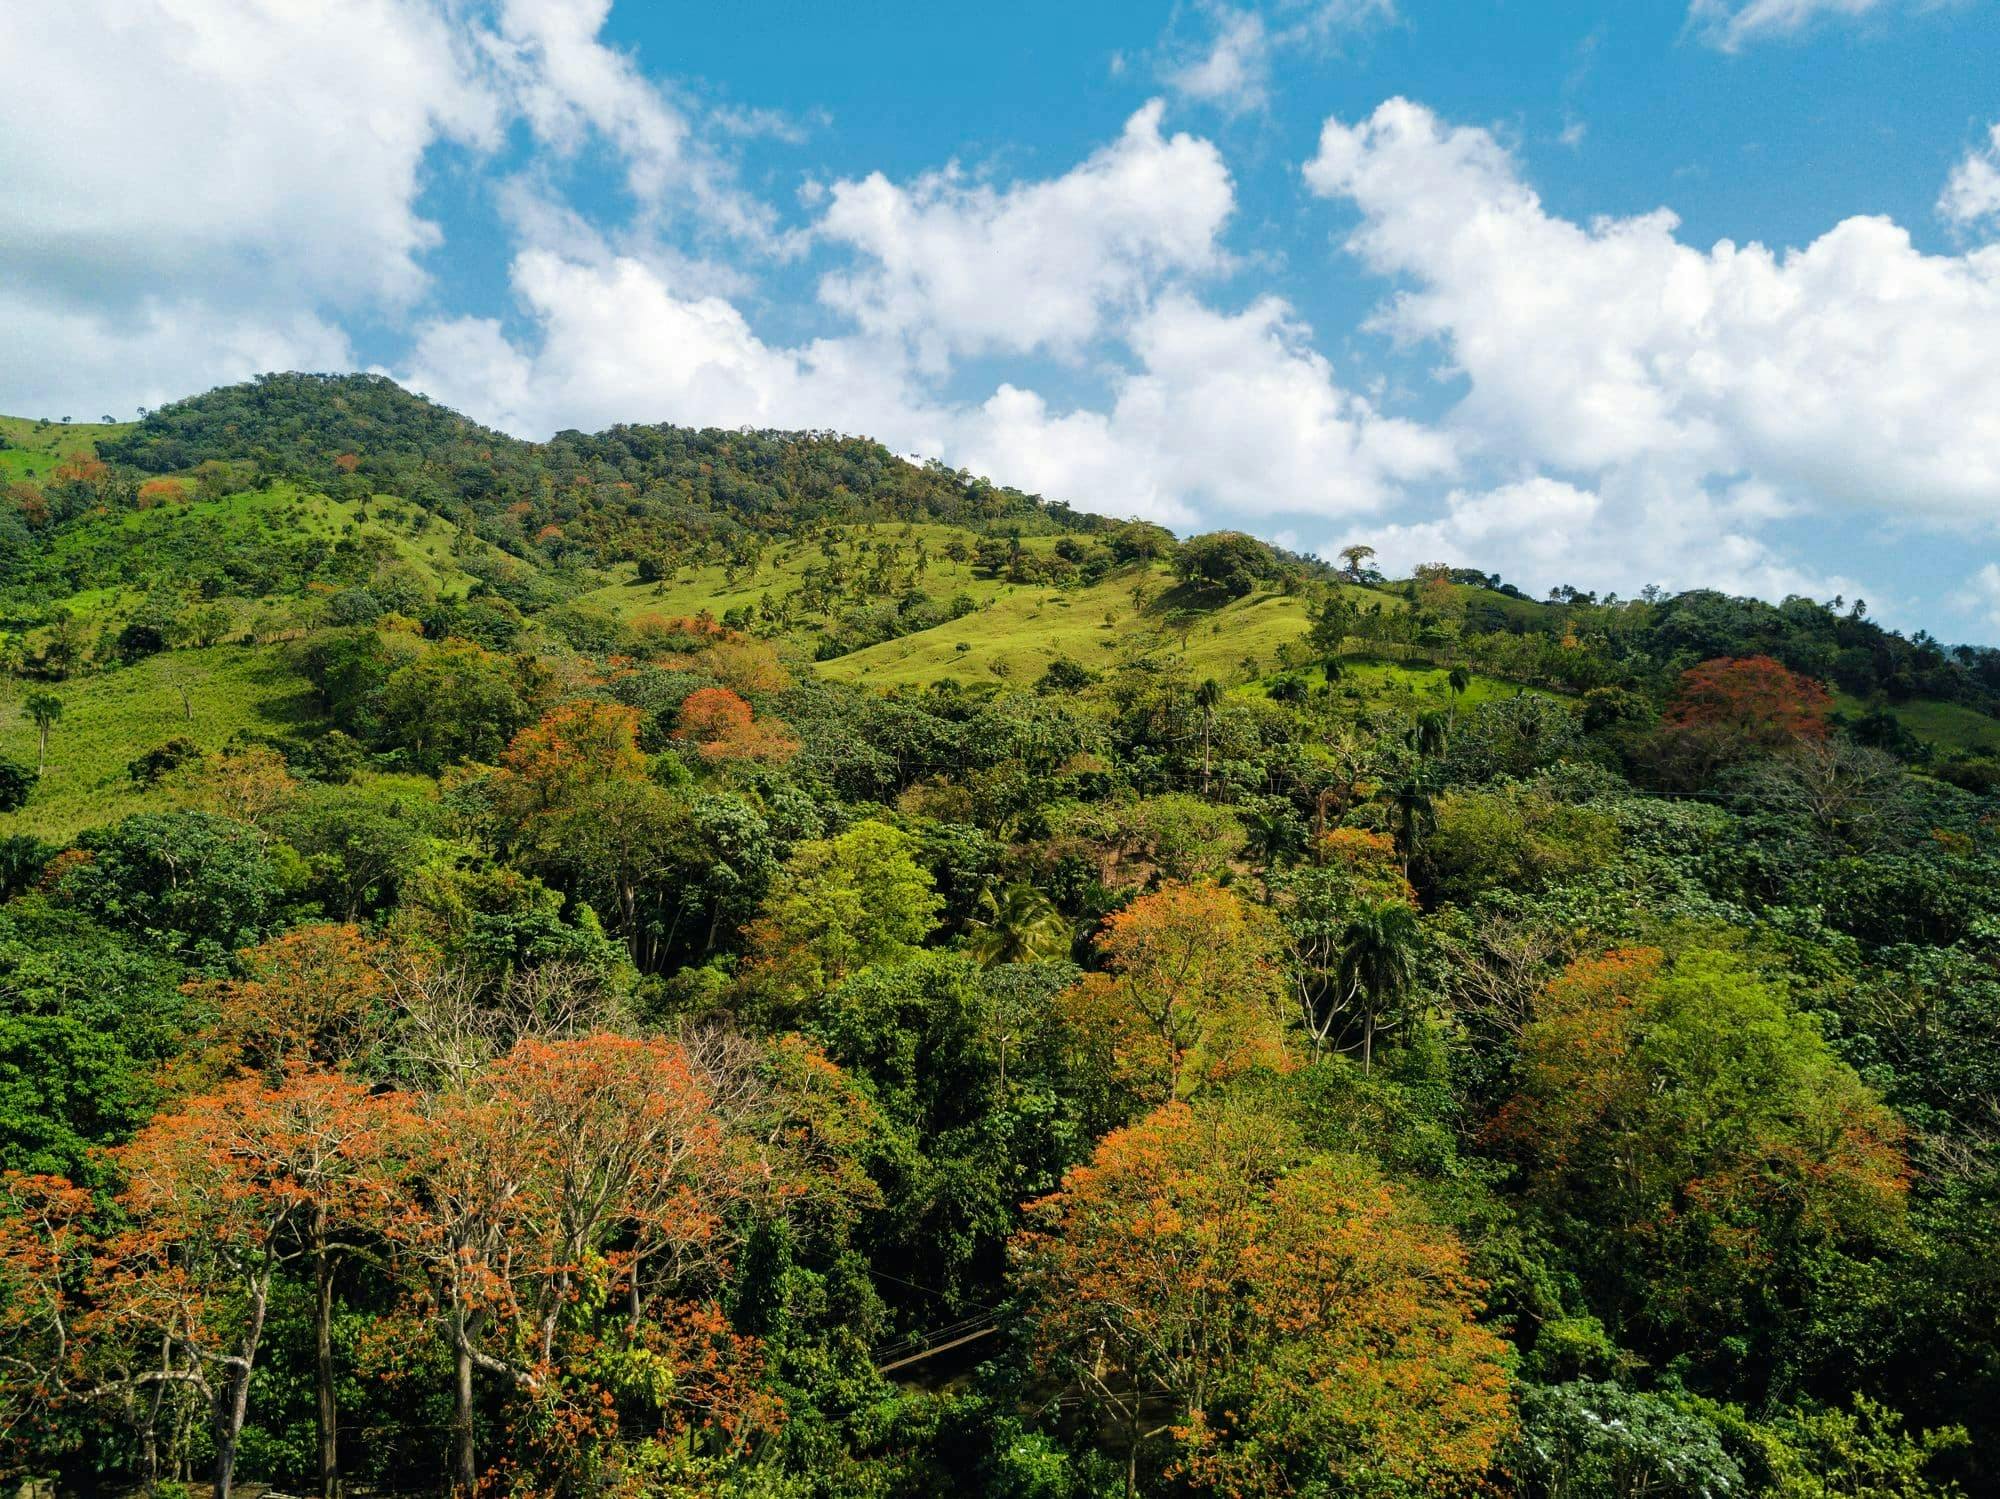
pixel 843 903
pixel 1866 1451
pixel 187 883
pixel 1226 562
pixel 87 1019
pixel 16 782
pixel 1593 1439
pixel 1700 1148
pixel 1206 698
pixel 1020 925
pixel 1413 806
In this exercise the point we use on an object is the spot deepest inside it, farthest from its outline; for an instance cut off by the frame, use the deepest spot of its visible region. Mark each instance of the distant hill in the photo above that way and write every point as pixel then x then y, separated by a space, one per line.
pixel 629 494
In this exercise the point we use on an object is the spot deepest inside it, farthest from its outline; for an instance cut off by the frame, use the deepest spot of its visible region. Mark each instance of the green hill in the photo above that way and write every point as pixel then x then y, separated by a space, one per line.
pixel 296 503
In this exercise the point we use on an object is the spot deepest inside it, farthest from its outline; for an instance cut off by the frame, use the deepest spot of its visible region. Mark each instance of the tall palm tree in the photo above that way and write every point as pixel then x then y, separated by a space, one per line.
pixel 1378 966
pixel 1274 834
pixel 1430 733
pixel 1020 926
pixel 1415 811
pixel 1206 697
pixel 1458 680
pixel 46 709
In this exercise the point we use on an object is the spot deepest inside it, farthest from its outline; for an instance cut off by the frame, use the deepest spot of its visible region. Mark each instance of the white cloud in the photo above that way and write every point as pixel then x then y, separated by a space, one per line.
pixel 202 189
pixel 616 342
pixel 1980 597
pixel 1539 532
pixel 570 87
pixel 1971 195
pixel 202 143
pixel 1230 66
pixel 1234 71
pixel 1225 417
pixel 1844 374
pixel 958 267
pixel 67 360
pixel 1729 24
pixel 197 187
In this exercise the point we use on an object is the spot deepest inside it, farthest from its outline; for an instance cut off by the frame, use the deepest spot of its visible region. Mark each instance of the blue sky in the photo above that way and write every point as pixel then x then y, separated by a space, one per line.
pixel 1703 292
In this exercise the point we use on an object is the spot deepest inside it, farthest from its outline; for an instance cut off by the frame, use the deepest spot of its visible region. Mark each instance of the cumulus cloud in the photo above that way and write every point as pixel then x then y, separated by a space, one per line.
pixel 68 359
pixel 958 267
pixel 199 143
pixel 1544 531
pixel 1837 374
pixel 615 341
pixel 1234 69
pixel 1731 24
pixel 200 189
pixel 572 88
pixel 1225 416
pixel 1971 196
pixel 197 187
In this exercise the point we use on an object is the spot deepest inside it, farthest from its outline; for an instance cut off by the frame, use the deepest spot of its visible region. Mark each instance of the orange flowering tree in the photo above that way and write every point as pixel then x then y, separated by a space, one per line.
pixel 1253 1319
pixel 572 1226
pixel 160 1317
pixel 547 764
pixel 570 802
pixel 1191 994
pixel 318 994
pixel 721 726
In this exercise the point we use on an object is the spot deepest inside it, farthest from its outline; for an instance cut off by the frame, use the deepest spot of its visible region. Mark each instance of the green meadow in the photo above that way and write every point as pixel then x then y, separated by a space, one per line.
pixel 33 448
pixel 209 696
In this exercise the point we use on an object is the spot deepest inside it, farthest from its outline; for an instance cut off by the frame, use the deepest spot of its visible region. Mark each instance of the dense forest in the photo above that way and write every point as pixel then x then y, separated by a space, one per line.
pixel 683 962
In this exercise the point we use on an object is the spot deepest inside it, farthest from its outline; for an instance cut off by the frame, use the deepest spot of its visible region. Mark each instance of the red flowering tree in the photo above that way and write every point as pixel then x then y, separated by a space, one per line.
pixel 1733 709
pixel 720 725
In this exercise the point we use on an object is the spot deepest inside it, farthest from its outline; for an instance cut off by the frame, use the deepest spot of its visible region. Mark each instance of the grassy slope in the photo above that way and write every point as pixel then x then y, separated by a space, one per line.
pixel 281 512
pixel 284 513
pixel 113 716
pixel 1021 628
pixel 1949 726
pixel 783 569
pixel 1015 631
pixel 1392 684
pixel 34 450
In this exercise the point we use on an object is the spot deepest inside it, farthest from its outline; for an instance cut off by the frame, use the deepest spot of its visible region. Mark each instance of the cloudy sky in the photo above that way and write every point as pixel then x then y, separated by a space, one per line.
pixel 1689 292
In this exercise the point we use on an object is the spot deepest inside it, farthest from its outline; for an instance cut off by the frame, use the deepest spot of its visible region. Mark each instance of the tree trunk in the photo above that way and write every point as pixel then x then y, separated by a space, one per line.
pixel 234 1402
pixel 465 1466
pixel 326 1414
